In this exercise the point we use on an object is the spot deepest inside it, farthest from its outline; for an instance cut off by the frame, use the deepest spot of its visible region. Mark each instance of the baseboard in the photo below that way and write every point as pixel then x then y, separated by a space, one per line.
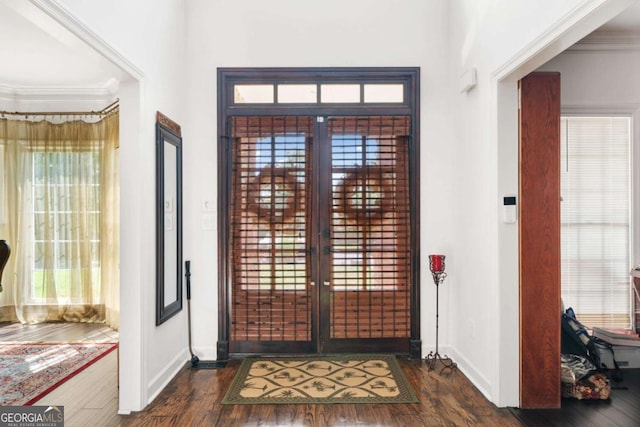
pixel 205 353
pixel 469 371
pixel 160 381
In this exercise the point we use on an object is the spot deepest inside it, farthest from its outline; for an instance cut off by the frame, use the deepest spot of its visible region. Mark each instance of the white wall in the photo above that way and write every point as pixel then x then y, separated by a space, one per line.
pixel 286 33
pixel 504 40
pixel 463 172
pixel 468 155
pixel 246 33
pixel 603 78
pixel 594 78
pixel 150 35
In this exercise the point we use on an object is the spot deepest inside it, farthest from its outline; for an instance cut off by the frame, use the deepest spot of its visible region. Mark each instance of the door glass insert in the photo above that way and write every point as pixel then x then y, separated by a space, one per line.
pixel 269 229
pixel 370 227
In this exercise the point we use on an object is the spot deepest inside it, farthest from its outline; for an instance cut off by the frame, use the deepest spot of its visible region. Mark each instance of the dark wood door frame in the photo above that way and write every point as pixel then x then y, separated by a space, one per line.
pixel 227 108
pixel 539 244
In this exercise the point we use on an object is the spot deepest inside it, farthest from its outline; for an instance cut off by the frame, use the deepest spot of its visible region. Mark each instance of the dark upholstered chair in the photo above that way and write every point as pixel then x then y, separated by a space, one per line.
pixel 5 251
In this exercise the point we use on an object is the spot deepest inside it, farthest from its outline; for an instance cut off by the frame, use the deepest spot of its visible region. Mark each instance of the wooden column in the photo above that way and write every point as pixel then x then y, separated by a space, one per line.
pixel 540 241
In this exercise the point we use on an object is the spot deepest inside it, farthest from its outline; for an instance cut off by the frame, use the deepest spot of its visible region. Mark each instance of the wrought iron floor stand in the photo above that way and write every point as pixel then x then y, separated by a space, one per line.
pixel 432 357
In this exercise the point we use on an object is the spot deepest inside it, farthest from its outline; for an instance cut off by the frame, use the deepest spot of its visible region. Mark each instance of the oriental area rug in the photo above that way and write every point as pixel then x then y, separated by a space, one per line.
pixel 30 371
pixel 367 378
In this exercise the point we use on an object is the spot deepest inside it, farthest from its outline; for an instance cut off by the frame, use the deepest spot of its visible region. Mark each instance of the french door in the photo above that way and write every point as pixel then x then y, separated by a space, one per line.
pixel 319 246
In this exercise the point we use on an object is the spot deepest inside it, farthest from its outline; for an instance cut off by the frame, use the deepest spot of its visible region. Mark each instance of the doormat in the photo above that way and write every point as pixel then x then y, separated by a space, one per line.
pixel 360 378
pixel 30 371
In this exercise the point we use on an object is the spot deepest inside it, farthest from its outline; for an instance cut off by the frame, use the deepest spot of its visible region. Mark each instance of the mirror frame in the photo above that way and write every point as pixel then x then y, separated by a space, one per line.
pixel 167 132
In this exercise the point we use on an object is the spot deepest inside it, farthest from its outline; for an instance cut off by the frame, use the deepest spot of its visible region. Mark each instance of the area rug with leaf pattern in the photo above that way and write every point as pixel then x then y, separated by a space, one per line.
pixel 29 371
pixel 360 378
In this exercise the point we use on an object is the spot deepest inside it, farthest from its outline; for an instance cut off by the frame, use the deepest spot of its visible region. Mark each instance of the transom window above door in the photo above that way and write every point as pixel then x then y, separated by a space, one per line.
pixel 324 93
pixel 319 89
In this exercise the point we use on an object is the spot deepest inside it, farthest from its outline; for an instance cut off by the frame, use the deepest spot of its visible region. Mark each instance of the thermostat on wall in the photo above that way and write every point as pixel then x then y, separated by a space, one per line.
pixel 509 209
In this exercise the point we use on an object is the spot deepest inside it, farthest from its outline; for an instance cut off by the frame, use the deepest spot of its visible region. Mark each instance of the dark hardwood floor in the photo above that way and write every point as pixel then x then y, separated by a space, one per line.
pixel 622 409
pixel 193 399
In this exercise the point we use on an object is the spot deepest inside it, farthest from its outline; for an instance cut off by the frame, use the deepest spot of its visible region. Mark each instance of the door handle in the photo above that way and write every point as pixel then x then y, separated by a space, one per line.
pixel 327 283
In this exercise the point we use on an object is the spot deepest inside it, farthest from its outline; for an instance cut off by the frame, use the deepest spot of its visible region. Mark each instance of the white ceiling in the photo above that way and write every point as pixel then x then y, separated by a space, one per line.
pixel 627 22
pixel 37 52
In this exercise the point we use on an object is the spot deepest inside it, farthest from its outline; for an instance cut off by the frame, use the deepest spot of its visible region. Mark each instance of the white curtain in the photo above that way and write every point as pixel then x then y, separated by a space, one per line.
pixel 59 213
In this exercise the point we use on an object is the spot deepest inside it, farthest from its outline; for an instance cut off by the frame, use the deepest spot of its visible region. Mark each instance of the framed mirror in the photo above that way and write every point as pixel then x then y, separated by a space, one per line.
pixel 168 218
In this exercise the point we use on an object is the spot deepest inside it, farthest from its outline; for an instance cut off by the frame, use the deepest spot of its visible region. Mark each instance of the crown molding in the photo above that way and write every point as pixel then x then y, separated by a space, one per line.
pixel 608 41
pixel 596 109
pixel 108 90
pixel 65 18
pixel 47 98
pixel 560 36
pixel 50 15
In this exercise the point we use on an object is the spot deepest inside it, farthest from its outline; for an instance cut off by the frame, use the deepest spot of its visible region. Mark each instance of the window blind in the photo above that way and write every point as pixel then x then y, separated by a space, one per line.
pixel 370 227
pixel 595 219
pixel 269 229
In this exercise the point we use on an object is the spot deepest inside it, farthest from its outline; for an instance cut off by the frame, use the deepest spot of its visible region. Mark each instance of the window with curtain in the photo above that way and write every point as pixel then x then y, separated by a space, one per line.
pixel 61 220
pixel 596 219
